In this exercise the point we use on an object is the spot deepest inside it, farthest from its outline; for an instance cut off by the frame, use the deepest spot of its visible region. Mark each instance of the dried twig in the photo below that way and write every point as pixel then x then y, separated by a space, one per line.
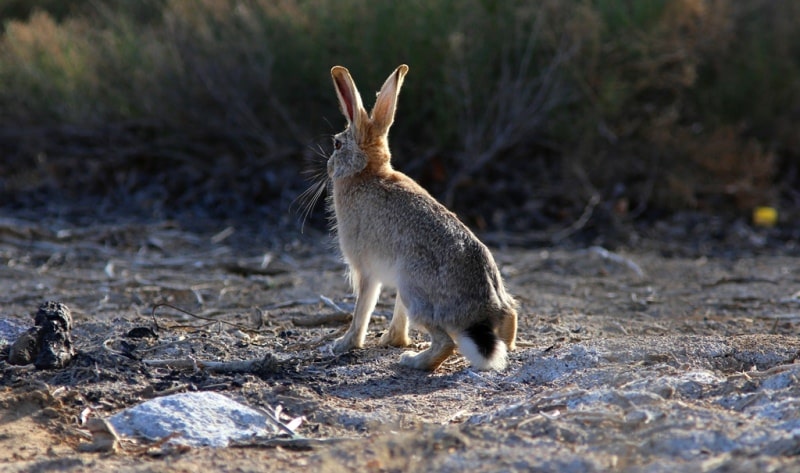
pixel 280 425
pixel 201 317
pixel 322 319
pixel 300 443
pixel 605 254
pixel 292 303
pixel 263 366
pixel 223 235
pixel 340 316
pixel 329 302
pixel 322 339
pixel 182 341
pixel 104 437
pixel 739 280
pixel 580 223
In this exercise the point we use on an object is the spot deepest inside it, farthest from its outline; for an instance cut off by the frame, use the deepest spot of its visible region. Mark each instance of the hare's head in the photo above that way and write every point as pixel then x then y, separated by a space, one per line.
pixel 364 143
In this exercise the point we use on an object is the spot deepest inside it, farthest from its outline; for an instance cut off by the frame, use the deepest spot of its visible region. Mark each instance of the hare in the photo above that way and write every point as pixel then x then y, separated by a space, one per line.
pixel 392 232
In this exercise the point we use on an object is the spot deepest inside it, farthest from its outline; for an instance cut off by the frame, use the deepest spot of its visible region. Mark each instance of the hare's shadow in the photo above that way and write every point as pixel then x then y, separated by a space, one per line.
pixel 390 378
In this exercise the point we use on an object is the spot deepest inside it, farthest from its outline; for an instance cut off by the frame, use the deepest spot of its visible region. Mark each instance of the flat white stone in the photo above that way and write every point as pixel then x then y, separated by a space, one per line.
pixel 203 419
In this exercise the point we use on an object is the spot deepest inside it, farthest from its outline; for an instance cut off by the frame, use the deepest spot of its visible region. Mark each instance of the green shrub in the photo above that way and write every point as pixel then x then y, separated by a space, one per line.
pixel 669 104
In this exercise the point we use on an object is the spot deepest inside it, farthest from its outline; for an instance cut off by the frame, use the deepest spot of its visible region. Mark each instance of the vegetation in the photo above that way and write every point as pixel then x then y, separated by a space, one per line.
pixel 511 108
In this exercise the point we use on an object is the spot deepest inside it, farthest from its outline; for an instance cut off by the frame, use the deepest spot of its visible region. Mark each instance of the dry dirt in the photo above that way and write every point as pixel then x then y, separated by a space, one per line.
pixel 627 360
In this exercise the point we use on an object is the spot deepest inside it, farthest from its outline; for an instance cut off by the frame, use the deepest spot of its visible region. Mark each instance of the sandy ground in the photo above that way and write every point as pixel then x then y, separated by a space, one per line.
pixel 628 360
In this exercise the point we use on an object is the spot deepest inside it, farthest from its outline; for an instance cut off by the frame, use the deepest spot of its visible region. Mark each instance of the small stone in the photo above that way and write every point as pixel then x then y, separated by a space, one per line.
pixel 141 332
pixel 24 349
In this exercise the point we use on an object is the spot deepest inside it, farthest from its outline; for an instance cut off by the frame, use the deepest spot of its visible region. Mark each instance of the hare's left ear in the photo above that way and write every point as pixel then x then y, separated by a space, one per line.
pixel 386 104
pixel 349 98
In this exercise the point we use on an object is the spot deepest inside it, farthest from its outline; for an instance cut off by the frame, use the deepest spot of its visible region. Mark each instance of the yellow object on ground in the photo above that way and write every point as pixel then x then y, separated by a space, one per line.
pixel 765 216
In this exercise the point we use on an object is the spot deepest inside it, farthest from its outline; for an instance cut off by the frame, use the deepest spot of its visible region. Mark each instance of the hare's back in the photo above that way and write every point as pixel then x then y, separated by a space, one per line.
pixel 431 236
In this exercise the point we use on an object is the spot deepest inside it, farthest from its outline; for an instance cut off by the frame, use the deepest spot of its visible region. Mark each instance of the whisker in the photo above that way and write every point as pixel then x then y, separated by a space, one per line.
pixel 319 151
pixel 309 199
pixel 317 173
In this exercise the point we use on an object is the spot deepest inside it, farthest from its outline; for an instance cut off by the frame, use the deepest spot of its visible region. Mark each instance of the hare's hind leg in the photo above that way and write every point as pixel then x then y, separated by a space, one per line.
pixel 508 329
pixel 397 333
pixel 441 347
pixel 368 290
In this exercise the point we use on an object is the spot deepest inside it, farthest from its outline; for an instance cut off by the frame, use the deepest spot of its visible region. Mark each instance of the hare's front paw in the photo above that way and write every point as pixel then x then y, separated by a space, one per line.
pixel 345 343
pixel 394 338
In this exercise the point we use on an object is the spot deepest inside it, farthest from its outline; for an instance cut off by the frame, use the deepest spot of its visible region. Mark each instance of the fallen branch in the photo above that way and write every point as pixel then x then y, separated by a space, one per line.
pixel 175 343
pixel 263 366
pixel 319 340
pixel 340 316
pixel 329 302
pixel 300 443
pixel 615 258
pixel 292 303
pixel 200 317
pixel 321 319
pixel 739 280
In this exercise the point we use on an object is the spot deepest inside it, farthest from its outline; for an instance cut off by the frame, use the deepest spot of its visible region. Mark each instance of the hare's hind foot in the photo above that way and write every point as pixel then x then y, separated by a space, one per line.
pixel 508 330
pixel 425 360
pixel 397 333
pixel 394 338
pixel 442 346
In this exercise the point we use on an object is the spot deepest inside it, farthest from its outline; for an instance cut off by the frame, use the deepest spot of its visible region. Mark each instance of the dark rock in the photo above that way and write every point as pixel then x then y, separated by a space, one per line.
pixel 48 344
pixel 24 349
pixel 141 332
pixel 54 320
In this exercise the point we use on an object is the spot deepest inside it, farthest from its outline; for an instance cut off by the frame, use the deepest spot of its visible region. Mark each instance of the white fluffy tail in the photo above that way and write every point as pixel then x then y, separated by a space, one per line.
pixel 497 358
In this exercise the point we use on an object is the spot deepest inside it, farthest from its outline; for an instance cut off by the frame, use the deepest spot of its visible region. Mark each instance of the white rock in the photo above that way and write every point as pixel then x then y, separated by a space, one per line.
pixel 201 418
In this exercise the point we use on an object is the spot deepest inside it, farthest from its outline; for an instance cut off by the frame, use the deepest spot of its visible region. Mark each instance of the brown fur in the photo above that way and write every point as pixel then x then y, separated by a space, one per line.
pixel 392 231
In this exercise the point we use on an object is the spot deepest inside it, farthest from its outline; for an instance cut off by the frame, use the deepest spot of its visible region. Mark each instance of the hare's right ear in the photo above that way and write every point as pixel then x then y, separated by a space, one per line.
pixel 386 103
pixel 349 98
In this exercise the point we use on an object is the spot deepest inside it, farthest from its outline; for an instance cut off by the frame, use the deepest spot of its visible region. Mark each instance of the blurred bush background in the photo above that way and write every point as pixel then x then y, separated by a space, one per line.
pixel 519 115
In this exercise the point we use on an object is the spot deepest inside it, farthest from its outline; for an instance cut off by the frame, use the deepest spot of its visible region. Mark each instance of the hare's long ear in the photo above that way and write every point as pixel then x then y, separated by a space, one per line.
pixel 349 98
pixel 386 104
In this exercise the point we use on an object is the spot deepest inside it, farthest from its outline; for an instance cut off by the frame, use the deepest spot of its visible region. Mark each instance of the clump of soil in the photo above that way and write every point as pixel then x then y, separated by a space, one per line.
pixel 48 345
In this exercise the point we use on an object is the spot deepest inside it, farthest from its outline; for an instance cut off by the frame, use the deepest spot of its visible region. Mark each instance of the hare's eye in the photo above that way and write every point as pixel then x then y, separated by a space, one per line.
pixel 337 144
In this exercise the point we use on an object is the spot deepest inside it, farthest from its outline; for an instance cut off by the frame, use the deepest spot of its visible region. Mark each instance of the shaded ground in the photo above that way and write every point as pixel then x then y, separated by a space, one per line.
pixel 655 359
